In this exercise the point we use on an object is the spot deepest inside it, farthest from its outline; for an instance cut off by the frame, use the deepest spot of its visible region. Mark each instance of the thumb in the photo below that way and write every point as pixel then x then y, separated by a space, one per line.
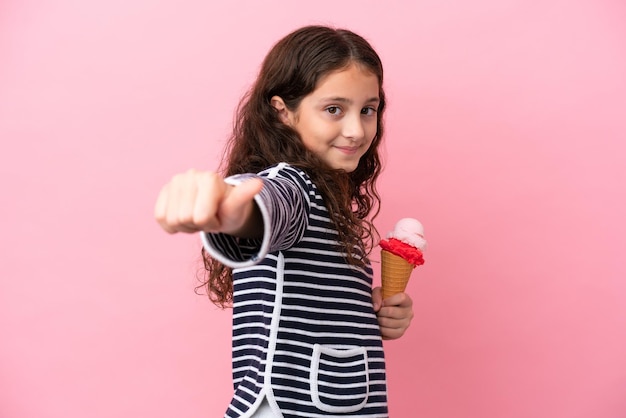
pixel 244 192
pixel 377 298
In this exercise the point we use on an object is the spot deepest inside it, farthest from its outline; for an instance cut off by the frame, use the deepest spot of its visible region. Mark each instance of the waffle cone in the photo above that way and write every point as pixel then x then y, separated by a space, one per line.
pixel 395 273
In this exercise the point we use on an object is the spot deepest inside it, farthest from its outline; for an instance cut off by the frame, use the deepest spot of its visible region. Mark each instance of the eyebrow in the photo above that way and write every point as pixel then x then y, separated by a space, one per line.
pixel 348 101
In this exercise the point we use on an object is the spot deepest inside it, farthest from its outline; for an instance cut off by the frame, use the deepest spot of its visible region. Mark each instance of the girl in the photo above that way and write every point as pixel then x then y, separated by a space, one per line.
pixel 286 234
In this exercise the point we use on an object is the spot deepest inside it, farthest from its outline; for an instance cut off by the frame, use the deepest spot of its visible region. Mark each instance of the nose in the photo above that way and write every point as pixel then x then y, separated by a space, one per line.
pixel 353 127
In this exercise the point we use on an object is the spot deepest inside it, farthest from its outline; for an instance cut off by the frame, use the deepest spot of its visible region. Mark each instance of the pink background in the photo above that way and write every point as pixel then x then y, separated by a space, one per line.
pixel 508 116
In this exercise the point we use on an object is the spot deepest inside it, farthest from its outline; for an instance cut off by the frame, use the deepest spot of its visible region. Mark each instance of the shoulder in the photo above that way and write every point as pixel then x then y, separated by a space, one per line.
pixel 287 171
pixel 282 169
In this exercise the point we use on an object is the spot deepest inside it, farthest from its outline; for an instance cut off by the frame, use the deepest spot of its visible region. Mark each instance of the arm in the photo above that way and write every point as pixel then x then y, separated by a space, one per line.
pixel 241 218
pixel 284 207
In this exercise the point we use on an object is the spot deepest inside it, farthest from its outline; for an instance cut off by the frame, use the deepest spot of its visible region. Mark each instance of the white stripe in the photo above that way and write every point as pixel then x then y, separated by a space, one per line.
pixel 326 311
pixel 324 299
pixel 328 323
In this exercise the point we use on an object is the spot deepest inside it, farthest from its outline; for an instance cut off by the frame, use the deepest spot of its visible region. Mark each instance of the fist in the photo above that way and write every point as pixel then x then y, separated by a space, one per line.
pixel 202 201
pixel 394 313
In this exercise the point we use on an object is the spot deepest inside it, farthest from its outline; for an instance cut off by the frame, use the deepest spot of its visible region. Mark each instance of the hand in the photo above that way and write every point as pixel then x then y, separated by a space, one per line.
pixel 202 201
pixel 394 313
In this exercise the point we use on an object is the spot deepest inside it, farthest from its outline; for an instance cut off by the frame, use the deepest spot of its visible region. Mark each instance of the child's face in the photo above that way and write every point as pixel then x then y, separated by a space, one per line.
pixel 338 120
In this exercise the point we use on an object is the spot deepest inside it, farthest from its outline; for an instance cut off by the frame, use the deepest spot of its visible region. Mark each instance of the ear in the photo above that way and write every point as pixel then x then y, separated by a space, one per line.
pixel 281 108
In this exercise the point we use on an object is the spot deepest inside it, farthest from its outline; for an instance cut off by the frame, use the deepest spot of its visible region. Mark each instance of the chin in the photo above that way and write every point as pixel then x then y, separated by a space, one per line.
pixel 345 167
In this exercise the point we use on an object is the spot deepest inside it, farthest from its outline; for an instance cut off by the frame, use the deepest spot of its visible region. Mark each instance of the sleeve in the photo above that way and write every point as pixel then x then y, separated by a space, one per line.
pixel 285 206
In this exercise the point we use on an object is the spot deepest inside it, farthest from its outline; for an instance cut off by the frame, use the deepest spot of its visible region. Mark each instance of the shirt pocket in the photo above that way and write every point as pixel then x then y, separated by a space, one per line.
pixel 339 379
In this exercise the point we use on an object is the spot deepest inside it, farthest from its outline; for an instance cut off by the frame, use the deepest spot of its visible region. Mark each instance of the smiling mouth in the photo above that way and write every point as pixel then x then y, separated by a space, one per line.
pixel 348 150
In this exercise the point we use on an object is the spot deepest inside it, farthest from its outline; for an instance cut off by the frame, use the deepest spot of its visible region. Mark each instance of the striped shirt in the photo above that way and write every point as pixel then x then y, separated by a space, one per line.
pixel 305 335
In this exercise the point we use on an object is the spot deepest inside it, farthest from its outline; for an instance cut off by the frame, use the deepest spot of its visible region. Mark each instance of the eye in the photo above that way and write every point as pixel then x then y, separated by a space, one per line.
pixel 333 110
pixel 369 111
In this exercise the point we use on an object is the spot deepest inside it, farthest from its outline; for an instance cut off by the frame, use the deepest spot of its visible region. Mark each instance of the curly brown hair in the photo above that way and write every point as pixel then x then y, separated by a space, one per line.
pixel 292 70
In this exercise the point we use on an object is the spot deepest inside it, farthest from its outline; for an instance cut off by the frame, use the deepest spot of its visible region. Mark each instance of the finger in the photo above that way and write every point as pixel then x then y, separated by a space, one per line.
pixel 186 228
pixel 242 194
pixel 399 299
pixel 377 298
pixel 211 189
pixel 393 328
pixel 160 208
pixel 166 206
pixel 393 323
pixel 187 189
pixel 173 197
pixel 238 204
pixel 395 312
pixel 391 334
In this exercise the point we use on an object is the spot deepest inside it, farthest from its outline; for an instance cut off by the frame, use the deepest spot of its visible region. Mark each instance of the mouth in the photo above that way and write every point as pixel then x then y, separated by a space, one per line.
pixel 349 150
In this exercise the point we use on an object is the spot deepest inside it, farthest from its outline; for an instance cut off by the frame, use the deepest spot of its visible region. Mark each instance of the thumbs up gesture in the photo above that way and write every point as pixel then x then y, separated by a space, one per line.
pixel 202 201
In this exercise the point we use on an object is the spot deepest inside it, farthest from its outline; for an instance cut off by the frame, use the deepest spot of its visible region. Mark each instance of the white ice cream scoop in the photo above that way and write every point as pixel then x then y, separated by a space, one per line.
pixel 410 231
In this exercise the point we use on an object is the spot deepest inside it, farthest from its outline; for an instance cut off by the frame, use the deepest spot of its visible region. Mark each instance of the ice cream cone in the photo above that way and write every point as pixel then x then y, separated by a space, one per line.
pixel 395 273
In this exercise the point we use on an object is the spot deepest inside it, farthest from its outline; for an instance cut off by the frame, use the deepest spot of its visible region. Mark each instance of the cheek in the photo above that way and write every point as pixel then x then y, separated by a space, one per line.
pixel 372 131
pixel 316 135
pixel 309 139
